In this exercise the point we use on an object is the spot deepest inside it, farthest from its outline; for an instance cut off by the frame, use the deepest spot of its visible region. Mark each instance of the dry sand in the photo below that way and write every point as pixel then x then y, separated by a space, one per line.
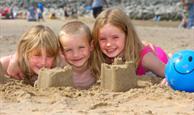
pixel 17 98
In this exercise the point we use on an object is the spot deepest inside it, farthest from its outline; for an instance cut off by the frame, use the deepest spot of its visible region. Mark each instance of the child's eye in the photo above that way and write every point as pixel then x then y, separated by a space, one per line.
pixel 37 55
pixel 50 55
pixel 67 50
pixel 81 47
pixel 102 39
pixel 115 37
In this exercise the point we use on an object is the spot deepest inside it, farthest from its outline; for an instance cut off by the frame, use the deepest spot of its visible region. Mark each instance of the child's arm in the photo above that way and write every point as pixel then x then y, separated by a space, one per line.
pixel 152 63
pixel 10 67
pixel 13 69
pixel 5 62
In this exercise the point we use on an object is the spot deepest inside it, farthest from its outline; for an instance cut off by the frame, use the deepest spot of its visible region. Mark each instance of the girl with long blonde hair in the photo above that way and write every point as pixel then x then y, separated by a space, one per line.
pixel 115 36
pixel 37 48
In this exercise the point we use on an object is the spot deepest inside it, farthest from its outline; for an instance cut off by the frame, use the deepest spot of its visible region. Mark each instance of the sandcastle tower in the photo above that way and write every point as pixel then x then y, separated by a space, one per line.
pixel 118 76
pixel 55 77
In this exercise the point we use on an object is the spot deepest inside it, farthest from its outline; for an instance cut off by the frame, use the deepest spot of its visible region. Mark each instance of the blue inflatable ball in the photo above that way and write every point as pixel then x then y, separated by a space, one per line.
pixel 179 71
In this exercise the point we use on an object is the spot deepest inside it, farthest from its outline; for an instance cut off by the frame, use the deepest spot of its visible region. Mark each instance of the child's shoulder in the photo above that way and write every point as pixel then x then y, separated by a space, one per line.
pixel 6 58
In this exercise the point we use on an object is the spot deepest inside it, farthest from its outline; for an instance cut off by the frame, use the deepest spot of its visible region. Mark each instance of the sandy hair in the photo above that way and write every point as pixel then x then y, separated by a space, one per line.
pixel 36 37
pixel 78 27
pixel 117 18
pixel 75 27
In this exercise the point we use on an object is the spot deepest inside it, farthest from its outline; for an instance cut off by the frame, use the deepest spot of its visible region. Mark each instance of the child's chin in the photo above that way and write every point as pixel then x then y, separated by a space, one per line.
pixel 112 56
pixel 77 66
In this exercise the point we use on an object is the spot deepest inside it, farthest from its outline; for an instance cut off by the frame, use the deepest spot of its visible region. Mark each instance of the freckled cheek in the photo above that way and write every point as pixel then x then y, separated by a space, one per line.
pixel 67 55
pixel 35 61
pixel 102 44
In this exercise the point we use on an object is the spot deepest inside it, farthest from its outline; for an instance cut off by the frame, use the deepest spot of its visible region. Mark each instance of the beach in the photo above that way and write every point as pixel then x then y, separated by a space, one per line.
pixel 17 98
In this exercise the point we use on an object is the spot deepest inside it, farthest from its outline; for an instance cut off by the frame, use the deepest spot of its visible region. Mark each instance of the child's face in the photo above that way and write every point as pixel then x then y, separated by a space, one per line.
pixel 76 50
pixel 38 59
pixel 111 40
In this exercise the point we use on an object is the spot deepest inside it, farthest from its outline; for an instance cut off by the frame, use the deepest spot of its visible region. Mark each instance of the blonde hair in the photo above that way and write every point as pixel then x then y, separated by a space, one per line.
pixel 78 27
pixel 75 27
pixel 117 18
pixel 38 36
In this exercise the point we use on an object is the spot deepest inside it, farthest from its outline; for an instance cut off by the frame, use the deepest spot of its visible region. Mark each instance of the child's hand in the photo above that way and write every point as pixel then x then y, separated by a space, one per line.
pixel 149 44
pixel 164 82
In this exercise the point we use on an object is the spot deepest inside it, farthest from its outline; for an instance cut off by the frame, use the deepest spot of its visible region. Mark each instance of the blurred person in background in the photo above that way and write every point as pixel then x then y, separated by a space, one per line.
pixel 189 7
pixel 97 6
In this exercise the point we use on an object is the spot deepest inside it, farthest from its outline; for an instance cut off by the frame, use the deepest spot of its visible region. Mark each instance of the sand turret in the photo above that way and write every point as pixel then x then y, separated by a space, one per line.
pixel 55 77
pixel 118 76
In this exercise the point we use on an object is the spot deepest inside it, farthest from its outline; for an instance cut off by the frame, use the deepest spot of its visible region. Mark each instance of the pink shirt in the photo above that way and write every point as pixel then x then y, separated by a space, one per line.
pixel 83 80
pixel 161 55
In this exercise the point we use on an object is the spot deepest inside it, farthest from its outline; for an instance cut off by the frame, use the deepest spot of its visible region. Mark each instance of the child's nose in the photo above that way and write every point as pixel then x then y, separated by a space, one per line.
pixel 76 53
pixel 43 61
pixel 108 44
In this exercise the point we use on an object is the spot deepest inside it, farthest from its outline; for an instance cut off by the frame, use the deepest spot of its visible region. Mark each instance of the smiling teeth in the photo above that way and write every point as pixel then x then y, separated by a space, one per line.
pixel 111 50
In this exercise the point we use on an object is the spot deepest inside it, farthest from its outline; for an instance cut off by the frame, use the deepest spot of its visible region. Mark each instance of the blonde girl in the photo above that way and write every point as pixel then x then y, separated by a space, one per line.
pixel 76 45
pixel 37 48
pixel 114 36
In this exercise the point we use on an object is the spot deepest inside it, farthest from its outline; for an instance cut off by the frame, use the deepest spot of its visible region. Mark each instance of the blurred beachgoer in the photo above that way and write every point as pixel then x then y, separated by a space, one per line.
pixel 15 10
pixel 66 11
pixel 157 18
pixel 189 7
pixel 31 13
pixel 41 6
pixel 191 14
pixel 183 13
pixel 76 46
pixel 40 10
pixel 38 48
pixel 97 7
pixel 70 10
pixel 6 12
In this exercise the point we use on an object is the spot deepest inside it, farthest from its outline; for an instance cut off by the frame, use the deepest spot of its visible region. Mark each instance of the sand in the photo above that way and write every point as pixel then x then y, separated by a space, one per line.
pixel 17 98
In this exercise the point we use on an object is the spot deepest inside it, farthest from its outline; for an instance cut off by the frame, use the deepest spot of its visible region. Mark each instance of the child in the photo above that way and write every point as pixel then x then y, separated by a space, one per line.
pixel 76 45
pixel 38 47
pixel 114 36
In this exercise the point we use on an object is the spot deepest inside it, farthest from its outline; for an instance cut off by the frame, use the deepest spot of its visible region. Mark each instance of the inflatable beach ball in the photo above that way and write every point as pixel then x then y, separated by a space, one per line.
pixel 179 71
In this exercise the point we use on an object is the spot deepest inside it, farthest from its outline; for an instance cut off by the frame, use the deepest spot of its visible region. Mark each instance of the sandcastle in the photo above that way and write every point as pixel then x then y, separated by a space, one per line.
pixel 118 76
pixel 55 77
